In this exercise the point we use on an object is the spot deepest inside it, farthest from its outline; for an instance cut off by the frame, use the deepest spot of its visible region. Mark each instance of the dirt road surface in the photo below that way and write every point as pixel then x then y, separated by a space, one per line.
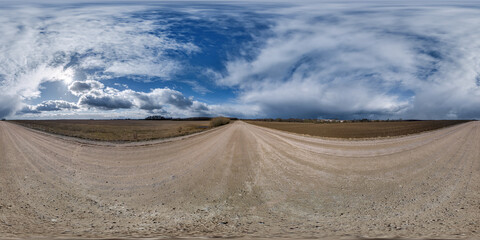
pixel 241 180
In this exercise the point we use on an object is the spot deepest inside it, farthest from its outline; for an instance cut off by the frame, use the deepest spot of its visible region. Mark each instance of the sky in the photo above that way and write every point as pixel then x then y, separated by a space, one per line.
pixel 246 59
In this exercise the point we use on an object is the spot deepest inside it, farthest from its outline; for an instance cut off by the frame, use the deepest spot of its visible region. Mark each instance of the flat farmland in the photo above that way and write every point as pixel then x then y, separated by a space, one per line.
pixel 116 130
pixel 359 129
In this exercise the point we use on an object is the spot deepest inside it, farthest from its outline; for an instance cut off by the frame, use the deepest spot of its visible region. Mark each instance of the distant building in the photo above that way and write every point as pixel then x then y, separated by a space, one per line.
pixel 330 120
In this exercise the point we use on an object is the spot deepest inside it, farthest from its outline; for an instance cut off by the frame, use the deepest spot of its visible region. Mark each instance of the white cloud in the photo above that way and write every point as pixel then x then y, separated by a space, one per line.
pixel 197 87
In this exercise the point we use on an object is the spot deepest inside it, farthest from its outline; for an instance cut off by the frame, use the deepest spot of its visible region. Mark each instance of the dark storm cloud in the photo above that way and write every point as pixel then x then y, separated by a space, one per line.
pixel 105 102
pixel 48 106
pixel 157 98
pixel 28 109
pixel 79 87
pixel 8 105
pixel 55 105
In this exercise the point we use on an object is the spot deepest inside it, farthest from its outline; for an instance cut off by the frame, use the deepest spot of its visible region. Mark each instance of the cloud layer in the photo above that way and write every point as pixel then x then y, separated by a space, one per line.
pixel 65 43
pixel 94 95
pixel 364 60
pixel 306 59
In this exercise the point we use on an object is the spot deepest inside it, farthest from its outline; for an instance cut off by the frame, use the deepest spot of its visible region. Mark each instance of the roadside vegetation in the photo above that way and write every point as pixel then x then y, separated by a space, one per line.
pixel 355 129
pixel 219 121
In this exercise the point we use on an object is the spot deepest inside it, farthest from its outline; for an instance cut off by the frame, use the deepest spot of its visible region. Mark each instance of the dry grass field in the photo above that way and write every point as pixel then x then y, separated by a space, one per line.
pixel 117 130
pixel 359 129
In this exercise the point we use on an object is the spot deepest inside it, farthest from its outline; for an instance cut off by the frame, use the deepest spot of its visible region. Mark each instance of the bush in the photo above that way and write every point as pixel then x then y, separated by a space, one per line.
pixel 219 121
pixel 3 119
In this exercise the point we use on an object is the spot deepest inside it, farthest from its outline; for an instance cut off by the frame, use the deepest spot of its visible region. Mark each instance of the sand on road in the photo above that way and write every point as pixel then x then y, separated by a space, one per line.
pixel 241 180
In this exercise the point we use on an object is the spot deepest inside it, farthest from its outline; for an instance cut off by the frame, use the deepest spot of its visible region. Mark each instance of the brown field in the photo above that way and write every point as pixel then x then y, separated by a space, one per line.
pixel 117 130
pixel 241 181
pixel 359 129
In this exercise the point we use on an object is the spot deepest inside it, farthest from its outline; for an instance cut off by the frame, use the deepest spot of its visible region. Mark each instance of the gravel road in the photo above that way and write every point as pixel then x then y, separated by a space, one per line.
pixel 241 180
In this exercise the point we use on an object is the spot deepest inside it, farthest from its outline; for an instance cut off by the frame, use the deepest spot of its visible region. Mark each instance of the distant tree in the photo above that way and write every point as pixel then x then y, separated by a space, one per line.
pixel 3 119
pixel 157 117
